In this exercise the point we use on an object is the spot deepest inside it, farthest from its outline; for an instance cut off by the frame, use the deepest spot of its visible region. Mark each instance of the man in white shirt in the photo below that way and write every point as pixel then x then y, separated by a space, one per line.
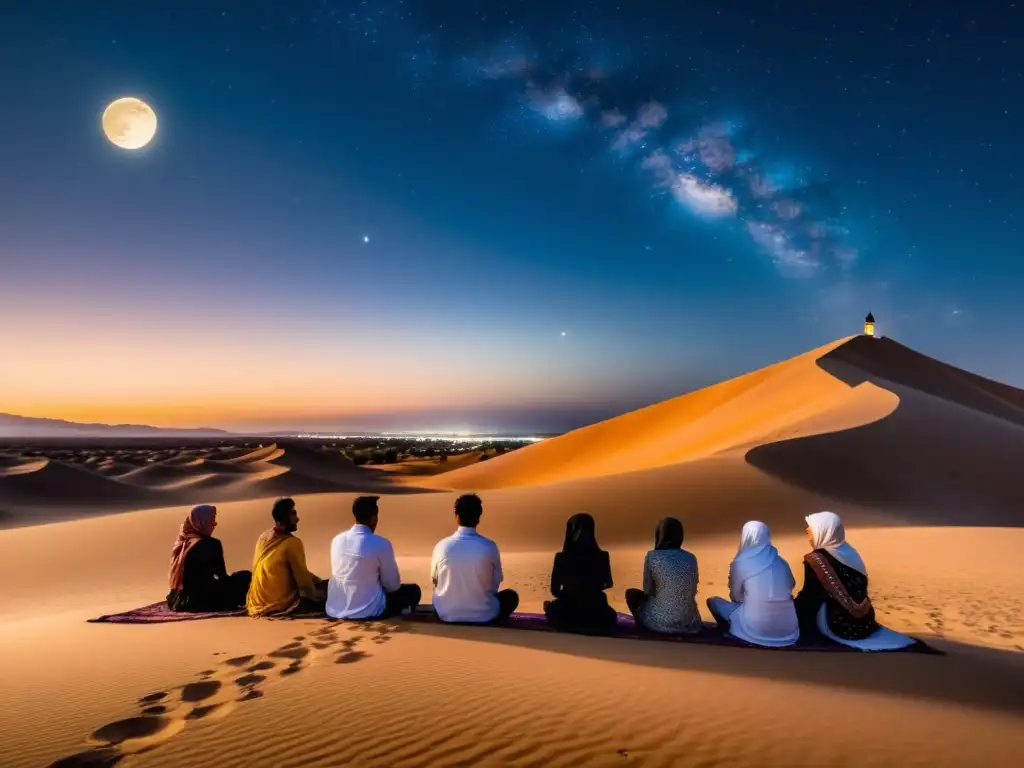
pixel 364 582
pixel 466 571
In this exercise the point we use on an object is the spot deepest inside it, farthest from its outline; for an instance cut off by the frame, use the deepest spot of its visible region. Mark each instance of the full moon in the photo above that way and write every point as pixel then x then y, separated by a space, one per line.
pixel 129 123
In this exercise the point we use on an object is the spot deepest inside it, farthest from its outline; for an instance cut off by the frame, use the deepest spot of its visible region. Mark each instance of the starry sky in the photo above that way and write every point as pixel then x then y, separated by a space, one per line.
pixel 479 214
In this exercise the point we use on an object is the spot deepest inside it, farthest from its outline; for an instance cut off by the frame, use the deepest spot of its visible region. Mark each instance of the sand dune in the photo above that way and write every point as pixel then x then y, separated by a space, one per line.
pixel 89 480
pixel 886 437
pixel 778 402
pixel 202 693
pixel 952 450
pixel 184 459
pixel 17 465
pixel 247 455
pixel 55 482
pixel 419 467
pixel 863 421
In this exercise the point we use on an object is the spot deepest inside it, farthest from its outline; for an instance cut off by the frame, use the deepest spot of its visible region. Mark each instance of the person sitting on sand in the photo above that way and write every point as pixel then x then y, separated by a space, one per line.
pixel 198 578
pixel 365 583
pixel 761 590
pixel 668 602
pixel 835 578
pixel 581 573
pixel 281 583
pixel 466 571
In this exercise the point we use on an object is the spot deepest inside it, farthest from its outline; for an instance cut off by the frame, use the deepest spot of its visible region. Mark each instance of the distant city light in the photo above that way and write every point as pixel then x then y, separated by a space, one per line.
pixel 423 437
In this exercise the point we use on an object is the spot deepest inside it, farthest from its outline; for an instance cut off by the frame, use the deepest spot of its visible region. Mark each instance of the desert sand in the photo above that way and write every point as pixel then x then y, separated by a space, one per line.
pixel 918 457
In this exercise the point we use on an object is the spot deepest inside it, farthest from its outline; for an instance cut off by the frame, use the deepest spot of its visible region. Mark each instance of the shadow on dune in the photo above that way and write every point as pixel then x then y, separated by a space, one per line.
pixel 967 675
pixel 66 488
pixel 951 452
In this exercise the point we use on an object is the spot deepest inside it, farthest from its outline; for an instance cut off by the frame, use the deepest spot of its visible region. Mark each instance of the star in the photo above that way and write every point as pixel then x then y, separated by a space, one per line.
pixel 563 334
pixel 366 238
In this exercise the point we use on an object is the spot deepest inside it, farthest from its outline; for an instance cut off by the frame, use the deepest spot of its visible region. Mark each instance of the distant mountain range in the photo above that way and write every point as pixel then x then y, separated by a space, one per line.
pixel 24 426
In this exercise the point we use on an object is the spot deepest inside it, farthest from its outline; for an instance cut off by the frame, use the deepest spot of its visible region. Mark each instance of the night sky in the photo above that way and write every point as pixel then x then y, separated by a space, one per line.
pixel 495 215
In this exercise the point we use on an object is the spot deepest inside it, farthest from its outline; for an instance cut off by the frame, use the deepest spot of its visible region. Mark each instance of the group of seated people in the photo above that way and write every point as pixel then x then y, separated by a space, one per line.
pixel 365 582
pixel 466 573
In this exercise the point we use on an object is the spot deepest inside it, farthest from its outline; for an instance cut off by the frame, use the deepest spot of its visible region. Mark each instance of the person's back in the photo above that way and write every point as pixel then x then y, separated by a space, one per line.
pixel 365 582
pixel 467 572
pixel 767 614
pixel 362 571
pixel 581 573
pixel 672 606
pixel 200 586
pixel 582 576
pixel 198 578
pixel 281 583
pixel 835 575
pixel 273 587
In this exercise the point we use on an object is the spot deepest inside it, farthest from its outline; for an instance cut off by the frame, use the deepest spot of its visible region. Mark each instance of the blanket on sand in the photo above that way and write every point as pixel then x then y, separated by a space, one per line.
pixel 159 613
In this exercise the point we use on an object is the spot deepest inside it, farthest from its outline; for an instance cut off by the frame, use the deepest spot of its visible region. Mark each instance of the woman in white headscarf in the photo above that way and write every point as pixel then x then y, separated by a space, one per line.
pixel 834 600
pixel 835 584
pixel 761 610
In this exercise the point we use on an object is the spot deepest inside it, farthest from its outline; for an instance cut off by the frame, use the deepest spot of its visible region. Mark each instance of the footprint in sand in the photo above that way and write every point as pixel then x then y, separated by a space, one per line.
pixel 351 657
pixel 239 661
pixel 164 714
pixel 135 734
pixel 249 680
pixel 294 651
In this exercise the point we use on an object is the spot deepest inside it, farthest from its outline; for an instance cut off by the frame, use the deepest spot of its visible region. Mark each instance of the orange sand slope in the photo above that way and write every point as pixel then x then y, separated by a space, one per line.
pixel 865 421
pixel 398 694
pixel 866 427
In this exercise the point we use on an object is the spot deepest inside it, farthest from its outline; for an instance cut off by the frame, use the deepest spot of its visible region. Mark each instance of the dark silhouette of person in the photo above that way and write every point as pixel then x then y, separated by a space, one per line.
pixel 581 573
pixel 198 578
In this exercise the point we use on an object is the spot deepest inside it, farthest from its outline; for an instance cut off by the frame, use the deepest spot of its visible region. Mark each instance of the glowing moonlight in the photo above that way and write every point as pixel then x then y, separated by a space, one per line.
pixel 129 123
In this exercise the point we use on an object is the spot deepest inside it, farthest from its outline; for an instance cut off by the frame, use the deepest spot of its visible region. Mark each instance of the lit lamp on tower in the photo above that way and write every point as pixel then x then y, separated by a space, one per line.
pixel 869 325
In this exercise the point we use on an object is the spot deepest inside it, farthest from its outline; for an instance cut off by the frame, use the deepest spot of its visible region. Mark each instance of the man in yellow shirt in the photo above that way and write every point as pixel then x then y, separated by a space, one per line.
pixel 281 583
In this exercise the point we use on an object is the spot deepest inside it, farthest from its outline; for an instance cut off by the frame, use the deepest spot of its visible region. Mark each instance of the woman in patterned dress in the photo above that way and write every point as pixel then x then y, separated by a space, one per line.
pixel 835 582
pixel 668 602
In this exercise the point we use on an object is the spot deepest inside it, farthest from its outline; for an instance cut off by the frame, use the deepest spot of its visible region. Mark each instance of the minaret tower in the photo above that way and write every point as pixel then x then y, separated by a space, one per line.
pixel 869 325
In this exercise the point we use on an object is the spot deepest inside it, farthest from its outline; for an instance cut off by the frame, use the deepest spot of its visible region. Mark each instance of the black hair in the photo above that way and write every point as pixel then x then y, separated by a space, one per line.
pixel 469 509
pixel 668 534
pixel 364 508
pixel 283 509
pixel 579 534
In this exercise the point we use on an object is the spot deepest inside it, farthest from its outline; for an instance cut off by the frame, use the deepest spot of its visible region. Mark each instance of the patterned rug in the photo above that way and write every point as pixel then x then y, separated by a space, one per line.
pixel 626 629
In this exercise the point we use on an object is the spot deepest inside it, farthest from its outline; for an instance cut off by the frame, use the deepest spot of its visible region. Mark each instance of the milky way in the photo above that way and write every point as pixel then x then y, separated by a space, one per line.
pixel 710 168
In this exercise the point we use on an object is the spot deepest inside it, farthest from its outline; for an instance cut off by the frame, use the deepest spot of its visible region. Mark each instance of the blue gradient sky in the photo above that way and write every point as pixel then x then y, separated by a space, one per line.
pixel 220 277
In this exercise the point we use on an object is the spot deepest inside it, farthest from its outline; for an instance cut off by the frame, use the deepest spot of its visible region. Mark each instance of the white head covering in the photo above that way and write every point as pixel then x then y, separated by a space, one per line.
pixel 755 553
pixel 828 533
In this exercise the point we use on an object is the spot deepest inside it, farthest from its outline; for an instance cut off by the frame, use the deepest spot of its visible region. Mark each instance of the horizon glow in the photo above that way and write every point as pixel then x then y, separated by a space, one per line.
pixel 499 222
